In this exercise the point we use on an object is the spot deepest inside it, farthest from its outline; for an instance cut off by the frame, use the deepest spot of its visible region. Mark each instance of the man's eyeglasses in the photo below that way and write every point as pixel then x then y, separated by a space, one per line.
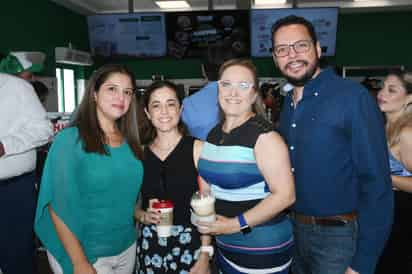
pixel 300 46
pixel 114 90
pixel 242 86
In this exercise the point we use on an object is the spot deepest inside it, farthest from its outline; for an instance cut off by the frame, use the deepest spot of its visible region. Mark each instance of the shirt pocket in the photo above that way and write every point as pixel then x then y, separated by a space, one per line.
pixel 325 127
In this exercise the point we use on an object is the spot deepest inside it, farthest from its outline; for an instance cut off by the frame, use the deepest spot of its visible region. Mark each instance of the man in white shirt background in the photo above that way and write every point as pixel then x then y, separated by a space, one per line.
pixel 23 127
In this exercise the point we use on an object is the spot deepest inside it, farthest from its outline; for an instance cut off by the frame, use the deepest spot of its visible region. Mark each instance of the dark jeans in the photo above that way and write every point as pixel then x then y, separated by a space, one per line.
pixel 17 210
pixel 323 249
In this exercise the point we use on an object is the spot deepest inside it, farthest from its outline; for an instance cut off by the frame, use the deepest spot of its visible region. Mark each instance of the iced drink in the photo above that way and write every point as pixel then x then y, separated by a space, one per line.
pixel 203 205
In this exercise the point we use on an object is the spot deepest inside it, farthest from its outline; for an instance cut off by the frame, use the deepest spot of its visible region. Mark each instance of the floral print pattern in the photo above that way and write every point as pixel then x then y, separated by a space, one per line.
pixel 174 254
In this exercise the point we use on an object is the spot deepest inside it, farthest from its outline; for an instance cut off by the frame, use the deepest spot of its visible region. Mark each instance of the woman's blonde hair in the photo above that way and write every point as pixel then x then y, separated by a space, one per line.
pixel 394 129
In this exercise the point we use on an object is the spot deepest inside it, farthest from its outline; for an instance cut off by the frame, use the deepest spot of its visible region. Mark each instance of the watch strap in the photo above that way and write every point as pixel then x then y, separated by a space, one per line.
pixel 244 227
pixel 242 220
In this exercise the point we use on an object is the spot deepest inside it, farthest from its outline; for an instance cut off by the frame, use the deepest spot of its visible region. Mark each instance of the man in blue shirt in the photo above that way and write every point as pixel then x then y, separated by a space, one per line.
pixel 335 133
pixel 201 110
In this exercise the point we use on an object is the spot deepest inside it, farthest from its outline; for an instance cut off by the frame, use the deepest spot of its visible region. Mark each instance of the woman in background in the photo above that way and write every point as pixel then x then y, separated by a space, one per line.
pixel 246 165
pixel 169 174
pixel 91 180
pixel 395 101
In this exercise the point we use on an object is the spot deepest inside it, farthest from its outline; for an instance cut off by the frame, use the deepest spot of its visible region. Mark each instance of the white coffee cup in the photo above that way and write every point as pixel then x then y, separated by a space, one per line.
pixel 164 227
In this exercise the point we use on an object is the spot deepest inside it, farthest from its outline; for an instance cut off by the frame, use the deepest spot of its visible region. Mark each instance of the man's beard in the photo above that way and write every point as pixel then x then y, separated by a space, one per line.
pixel 302 80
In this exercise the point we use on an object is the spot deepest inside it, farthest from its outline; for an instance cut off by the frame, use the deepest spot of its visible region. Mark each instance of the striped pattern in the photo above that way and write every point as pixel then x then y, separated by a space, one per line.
pixel 267 249
pixel 232 172
pixel 227 162
pixel 230 268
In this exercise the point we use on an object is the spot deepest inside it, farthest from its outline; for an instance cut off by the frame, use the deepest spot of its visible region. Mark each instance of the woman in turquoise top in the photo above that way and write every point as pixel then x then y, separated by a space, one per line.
pixel 91 180
pixel 395 101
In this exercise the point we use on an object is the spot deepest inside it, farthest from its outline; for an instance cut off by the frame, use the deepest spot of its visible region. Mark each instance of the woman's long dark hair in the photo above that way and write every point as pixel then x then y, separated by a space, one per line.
pixel 86 120
pixel 147 130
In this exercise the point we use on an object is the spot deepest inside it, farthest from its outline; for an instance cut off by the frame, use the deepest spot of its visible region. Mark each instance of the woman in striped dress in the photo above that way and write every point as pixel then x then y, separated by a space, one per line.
pixel 246 166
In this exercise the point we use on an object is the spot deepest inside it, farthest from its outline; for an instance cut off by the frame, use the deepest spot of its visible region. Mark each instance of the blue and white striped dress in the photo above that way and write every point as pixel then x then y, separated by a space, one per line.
pixel 228 164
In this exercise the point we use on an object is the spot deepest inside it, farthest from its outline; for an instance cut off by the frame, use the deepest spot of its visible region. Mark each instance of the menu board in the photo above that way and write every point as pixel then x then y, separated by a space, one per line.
pixel 190 33
pixel 325 21
pixel 133 34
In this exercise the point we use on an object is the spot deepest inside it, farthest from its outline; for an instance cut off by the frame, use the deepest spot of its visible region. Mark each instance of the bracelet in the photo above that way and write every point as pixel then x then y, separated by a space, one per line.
pixel 207 249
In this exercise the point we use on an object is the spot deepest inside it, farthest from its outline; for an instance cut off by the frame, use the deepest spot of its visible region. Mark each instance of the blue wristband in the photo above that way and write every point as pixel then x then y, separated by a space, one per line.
pixel 244 227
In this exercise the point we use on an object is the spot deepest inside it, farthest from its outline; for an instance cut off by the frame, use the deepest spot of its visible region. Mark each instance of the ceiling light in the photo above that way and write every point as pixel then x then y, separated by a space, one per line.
pixel 269 2
pixel 172 4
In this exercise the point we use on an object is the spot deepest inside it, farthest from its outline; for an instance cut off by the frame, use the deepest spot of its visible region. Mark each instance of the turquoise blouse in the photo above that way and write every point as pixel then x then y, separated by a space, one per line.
pixel 93 194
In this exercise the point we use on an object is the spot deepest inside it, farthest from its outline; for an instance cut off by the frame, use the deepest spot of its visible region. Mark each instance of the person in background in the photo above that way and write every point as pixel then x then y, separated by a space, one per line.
pixel 246 166
pixel 273 101
pixel 23 64
pixel 170 174
pixel 334 130
pixel 372 84
pixel 23 127
pixel 395 101
pixel 201 110
pixel 91 180
pixel 41 90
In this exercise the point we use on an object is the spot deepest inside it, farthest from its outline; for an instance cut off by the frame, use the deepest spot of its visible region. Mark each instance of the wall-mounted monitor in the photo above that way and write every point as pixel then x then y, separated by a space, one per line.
pixel 190 33
pixel 132 34
pixel 325 21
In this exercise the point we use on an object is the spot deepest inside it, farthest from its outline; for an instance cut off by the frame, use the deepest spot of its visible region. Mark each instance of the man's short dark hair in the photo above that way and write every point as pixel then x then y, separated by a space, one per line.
pixel 294 20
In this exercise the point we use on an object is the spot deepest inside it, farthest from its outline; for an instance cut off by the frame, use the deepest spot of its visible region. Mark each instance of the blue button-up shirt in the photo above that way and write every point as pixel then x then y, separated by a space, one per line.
pixel 201 111
pixel 339 158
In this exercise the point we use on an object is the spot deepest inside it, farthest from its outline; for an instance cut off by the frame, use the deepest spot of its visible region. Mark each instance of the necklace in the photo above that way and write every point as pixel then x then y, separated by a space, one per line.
pixel 163 149
pixel 223 137
pixel 168 147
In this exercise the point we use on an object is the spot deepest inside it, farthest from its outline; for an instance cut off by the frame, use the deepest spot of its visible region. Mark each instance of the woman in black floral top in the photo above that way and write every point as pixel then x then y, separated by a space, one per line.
pixel 169 174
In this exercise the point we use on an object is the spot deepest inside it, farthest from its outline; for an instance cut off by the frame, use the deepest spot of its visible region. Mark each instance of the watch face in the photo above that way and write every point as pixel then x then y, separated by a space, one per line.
pixel 245 229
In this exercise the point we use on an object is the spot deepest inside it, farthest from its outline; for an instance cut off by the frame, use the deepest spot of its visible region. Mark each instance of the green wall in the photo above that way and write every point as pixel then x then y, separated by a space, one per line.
pixel 375 39
pixel 378 38
pixel 40 25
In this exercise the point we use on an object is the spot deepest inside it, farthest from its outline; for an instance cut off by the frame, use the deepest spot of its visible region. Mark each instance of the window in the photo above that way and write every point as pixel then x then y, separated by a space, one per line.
pixel 66 90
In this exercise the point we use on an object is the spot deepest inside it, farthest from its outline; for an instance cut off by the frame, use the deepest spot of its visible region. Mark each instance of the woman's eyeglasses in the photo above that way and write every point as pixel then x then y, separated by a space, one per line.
pixel 242 85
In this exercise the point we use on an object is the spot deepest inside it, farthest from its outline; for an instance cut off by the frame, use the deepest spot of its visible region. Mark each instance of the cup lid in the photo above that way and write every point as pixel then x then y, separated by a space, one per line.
pixel 163 204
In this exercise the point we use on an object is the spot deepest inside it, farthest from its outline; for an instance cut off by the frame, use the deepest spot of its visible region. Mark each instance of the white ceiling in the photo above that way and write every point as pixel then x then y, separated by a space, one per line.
pixel 88 7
